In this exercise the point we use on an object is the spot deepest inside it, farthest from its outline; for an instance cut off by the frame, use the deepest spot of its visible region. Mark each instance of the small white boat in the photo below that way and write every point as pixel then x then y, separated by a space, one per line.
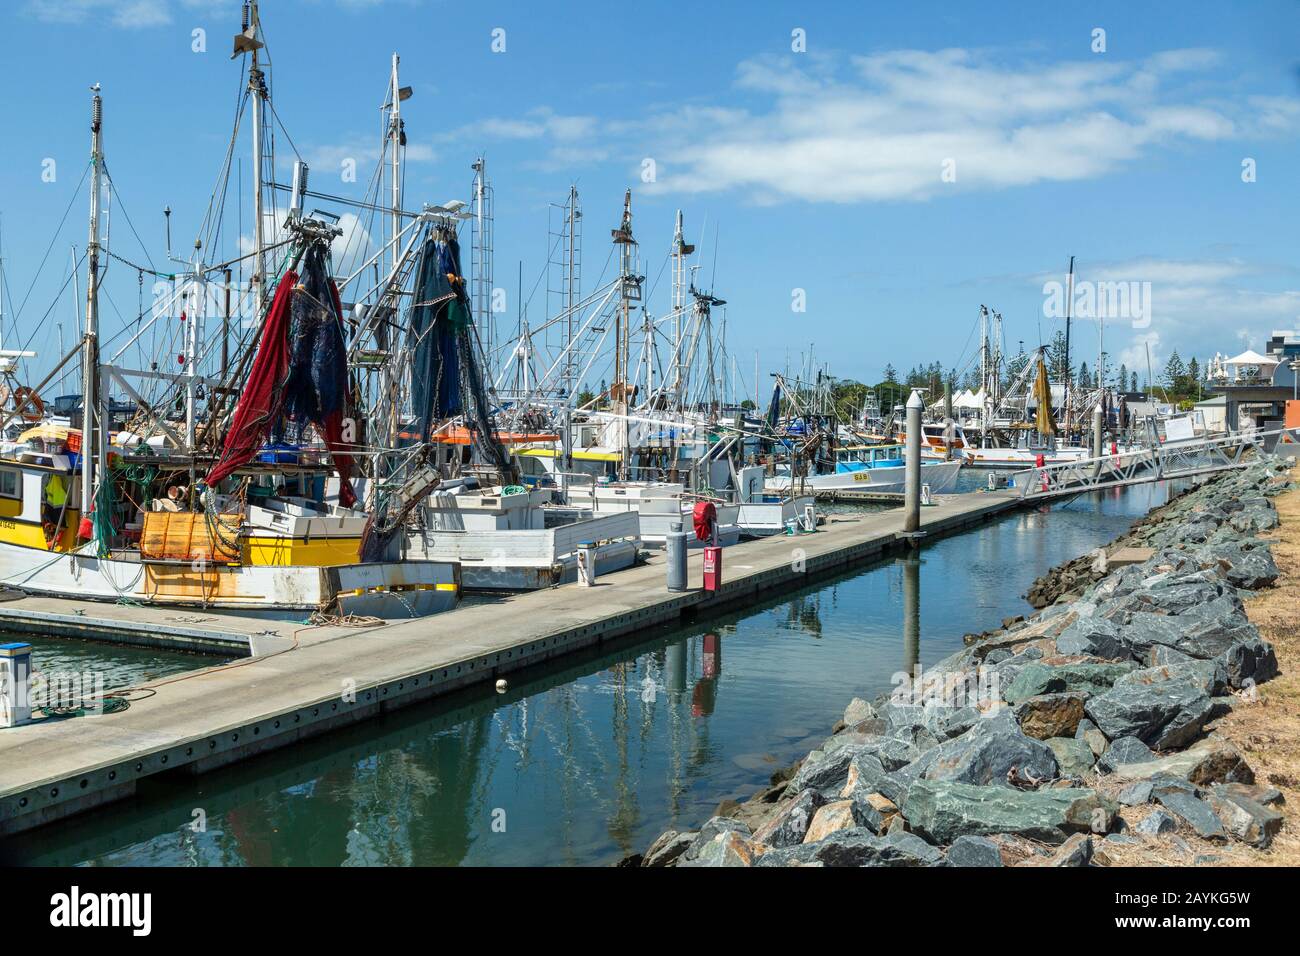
pixel 879 468
pixel 507 539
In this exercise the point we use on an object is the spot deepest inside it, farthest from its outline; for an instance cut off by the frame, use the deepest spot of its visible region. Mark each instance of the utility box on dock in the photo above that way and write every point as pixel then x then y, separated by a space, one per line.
pixel 15 684
pixel 712 568
pixel 586 556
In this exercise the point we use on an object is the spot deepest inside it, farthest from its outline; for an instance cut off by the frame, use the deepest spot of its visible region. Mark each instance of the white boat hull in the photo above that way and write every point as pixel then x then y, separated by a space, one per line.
pixel 530 558
pixel 940 476
pixel 383 589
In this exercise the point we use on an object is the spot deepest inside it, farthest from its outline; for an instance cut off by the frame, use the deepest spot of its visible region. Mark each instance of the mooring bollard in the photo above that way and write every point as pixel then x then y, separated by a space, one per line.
pixel 587 563
pixel 15 684
pixel 675 550
pixel 912 473
pixel 1096 432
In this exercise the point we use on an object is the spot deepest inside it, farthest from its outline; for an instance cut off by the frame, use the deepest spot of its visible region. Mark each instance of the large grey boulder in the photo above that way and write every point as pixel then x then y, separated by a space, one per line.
pixel 1074 757
pixel 824 771
pixel 1051 715
pixel 974 851
pixel 1207 761
pixel 1251 661
pixel 1124 750
pixel 789 825
pixel 1136 794
pixel 857 847
pixel 1246 565
pixel 858 711
pixel 985 754
pixel 1193 811
pixel 946 722
pixel 665 850
pixel 1090 734
pixel 1210 676
pixel 1143 630
pixel 1244 818
pixel 729 848
pixel 1094 636
pixel 942 811
pixel 715 828
pixel 1164 716
pixel 1036 679
pixel 891 752
pixel 867 775
pixel 1156 823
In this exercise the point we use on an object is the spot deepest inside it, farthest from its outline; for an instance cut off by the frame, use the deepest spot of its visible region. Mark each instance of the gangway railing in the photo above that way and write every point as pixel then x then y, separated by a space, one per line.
pixel 1159 462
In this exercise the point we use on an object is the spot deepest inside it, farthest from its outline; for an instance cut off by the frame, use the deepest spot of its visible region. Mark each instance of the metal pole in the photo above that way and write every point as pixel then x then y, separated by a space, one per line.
pixel 256 91
pixel 1065 374
pixel 911 614
pixel 571 366
pixel 90 368
pixel 225 328
pixel 912 490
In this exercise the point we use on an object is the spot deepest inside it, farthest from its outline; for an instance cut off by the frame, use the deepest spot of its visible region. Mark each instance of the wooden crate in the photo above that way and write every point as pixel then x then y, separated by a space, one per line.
pixel 185 536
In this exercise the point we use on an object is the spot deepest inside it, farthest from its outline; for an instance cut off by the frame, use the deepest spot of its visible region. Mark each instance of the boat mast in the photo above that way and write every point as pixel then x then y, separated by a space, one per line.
pixel 681 249
pixel 92 446
pixel 571 299
pixel 389 380
pixel 396 136
pixel 629 291
pixel 1065 384
pixel 257 93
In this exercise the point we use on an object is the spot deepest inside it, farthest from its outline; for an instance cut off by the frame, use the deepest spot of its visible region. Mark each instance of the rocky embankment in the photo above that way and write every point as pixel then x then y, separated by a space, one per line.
pixel 1056 740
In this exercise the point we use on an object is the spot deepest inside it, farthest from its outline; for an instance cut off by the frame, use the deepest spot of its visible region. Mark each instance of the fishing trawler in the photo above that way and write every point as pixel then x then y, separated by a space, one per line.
pixel 233 489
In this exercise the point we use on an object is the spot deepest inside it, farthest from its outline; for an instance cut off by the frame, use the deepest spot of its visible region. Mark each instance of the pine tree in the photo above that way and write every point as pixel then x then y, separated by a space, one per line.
pixel 1174 370
pixel 1123 376
pixel 1056 364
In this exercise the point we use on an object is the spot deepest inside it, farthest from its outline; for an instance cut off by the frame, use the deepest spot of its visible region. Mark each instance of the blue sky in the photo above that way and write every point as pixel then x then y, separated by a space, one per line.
pixel 821 170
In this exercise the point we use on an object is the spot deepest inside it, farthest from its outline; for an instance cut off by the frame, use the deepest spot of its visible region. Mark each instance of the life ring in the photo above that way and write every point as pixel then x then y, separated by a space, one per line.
pixel 28 404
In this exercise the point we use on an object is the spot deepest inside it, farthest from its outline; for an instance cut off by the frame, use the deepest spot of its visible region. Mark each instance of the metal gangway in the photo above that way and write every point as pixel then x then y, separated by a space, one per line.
pixel 1159 461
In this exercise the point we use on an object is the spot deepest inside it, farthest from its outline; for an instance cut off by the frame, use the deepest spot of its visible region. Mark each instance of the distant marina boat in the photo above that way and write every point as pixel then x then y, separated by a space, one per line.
pixel 880 468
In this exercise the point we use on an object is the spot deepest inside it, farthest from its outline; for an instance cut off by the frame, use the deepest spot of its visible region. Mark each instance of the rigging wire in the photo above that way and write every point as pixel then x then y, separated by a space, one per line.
pixel 53 239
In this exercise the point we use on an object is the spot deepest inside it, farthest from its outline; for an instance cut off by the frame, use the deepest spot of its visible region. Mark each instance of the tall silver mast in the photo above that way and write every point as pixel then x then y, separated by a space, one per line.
pixel 246 42
pixel 681 249
pixel 93 447
pixel 481 255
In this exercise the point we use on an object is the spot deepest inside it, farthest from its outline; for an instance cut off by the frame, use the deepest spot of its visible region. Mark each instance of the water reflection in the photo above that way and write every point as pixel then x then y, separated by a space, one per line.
pixel 911 614
pixel 592 759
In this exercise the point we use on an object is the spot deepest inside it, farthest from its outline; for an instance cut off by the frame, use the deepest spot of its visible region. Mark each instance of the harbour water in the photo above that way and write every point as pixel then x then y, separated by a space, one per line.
pixel 116 665
pixel 587 762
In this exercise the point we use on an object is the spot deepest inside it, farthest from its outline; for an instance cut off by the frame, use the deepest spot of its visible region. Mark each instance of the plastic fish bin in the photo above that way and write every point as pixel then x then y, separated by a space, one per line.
pixel 279 454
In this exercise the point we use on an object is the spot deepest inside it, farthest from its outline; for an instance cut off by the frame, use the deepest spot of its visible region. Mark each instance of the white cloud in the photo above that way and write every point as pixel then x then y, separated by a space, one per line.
pixel 540 123
pixel 142 14
pixel 129 14
pixel 326 159
pixel 1197 306
pixel 885 128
